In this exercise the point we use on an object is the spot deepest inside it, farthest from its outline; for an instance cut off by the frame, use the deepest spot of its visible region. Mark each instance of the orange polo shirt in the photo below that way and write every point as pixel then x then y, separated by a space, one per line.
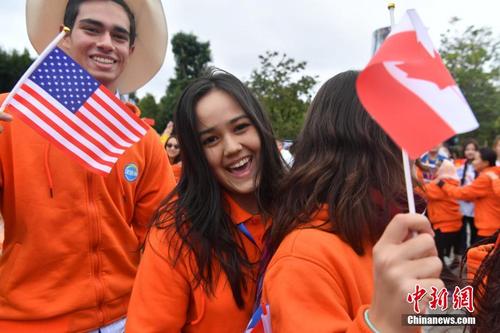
pixel 164 298
pixel 444 212
pixel 487 204
pixel 315 282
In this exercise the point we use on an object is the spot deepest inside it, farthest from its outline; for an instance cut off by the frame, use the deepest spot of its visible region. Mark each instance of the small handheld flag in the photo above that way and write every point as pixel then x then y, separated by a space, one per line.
pixel 410 93
pixel 65 104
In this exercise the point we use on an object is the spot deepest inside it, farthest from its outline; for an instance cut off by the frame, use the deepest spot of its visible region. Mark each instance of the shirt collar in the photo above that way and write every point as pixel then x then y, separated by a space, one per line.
pixel 238 215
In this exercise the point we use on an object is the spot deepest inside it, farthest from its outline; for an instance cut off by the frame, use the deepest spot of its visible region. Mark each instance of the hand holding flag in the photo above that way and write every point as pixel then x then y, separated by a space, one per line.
pixel 410 93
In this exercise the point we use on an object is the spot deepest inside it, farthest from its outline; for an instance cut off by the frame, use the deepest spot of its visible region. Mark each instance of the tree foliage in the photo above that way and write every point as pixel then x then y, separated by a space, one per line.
pixel 284 91
pixel 12 67
pixel 473 57
pixel 191 60
pixel 149 107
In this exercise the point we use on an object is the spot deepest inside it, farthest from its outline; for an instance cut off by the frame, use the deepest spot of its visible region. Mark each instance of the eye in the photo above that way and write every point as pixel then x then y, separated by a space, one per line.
pixel 121 37
pixel 241 127
pixel 209 140
pixel 91 30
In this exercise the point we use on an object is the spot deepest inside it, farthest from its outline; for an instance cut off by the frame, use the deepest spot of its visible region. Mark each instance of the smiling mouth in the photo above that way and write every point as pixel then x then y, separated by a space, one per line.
pixel 103 60
pixel 241 167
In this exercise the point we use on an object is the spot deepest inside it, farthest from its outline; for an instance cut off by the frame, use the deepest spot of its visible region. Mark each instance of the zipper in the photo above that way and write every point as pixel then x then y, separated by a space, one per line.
pixel 94 241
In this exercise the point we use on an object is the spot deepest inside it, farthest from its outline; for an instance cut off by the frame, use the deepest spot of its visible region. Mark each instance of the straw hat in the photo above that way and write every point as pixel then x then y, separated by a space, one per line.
pixel 45 17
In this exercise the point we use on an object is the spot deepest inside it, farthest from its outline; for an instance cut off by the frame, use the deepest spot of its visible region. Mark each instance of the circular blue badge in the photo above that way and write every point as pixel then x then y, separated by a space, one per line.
pixel 131 172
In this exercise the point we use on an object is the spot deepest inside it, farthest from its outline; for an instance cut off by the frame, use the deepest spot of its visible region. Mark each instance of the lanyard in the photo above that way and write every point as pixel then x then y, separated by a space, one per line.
pixel 244 230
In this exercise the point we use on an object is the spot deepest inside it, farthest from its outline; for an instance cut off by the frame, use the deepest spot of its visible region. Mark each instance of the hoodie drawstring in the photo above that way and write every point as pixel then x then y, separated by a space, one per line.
pixel 47 171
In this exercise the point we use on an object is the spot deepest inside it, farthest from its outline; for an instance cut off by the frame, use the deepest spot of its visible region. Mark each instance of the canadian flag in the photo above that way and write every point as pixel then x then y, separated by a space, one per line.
pixel 410 93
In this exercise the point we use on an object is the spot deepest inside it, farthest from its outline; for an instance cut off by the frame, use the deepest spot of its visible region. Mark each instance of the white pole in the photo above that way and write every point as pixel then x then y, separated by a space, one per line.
pixel 406 160
pixel 33 66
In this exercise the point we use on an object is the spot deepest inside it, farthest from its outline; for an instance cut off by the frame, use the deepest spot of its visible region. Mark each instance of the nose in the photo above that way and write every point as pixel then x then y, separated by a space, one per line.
pixel 231 145
pixel 105 42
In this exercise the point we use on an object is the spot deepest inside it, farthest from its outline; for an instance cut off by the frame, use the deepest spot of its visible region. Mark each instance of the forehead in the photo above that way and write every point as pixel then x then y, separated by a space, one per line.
pixel 104 11
pixel 217 108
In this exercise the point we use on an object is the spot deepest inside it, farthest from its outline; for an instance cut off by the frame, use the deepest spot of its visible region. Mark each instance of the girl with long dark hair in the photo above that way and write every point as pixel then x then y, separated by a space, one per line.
pixel 339 265
pixel 199 268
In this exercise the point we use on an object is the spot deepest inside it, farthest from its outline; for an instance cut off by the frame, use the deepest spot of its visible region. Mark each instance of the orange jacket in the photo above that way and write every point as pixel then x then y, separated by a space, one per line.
pixel 164 298
pixel 315 282
pixel 444 212
pixel 72 237
pixel 496 186
pixel 487 204
pixel 177 169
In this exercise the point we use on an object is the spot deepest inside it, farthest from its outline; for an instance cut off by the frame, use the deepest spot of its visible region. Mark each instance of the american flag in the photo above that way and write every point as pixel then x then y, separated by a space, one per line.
pixel 65 104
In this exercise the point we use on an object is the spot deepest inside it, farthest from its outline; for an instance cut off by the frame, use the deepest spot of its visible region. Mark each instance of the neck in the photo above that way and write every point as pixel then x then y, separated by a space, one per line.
pixel 247 201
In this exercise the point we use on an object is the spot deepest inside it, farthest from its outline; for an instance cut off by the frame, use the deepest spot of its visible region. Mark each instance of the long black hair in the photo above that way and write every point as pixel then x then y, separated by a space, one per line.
pixel 196 208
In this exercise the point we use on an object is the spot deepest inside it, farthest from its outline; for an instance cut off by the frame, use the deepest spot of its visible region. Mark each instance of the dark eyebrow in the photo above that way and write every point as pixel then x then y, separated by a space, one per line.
pixel 232 121
pixel 99 24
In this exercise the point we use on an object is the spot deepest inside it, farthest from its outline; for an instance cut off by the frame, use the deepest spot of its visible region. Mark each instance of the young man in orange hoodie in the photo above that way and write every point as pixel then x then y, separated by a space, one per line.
pixel 72 237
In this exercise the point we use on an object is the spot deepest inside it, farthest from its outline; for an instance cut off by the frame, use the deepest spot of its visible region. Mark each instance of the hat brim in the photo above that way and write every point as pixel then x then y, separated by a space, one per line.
pixel 44 19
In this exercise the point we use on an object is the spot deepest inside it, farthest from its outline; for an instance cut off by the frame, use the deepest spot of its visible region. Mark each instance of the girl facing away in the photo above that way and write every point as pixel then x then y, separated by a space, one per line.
pixel 344 260
pixel 199 268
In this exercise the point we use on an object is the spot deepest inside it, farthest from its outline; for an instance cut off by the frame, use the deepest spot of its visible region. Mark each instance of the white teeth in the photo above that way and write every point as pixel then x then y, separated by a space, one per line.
pixel 240 163
pixel 103 60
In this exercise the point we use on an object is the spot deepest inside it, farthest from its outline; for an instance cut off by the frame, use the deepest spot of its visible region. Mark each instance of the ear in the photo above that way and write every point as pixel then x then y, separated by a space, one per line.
pixel 131 50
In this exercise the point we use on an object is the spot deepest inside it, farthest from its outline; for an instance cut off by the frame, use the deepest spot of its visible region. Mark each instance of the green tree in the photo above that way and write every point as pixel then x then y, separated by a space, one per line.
pixel 191 60
pixel 473 57
pixel 12 67
pixel 283 90
pixel 149 107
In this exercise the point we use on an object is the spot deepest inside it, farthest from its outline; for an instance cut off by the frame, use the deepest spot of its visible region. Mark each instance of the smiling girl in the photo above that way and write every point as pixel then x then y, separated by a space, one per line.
pixel 198 271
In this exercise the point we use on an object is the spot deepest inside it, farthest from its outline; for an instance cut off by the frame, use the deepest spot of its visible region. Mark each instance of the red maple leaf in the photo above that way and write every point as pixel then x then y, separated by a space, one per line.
pixel 417 62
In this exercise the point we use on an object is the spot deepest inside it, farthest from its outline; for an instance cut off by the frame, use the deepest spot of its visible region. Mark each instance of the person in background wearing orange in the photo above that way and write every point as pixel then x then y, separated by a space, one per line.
pixel 487 204
pixel 495 182
pixel 174 155
pixel 483 274
pixel 445 217
pixel 199 268
pixel 344 260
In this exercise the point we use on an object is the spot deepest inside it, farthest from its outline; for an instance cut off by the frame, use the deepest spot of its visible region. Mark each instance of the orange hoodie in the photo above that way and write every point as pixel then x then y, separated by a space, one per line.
pixel 72 237
pixel 444 212
pixel 487 204
pixel 315 282
pixel 165 299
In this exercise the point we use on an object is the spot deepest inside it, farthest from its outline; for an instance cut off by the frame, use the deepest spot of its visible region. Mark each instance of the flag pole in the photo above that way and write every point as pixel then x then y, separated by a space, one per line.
pixel 33 66
pixel 406 160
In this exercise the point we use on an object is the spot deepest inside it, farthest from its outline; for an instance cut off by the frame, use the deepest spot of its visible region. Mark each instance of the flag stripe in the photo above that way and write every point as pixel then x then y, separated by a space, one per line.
pixel 93 102
pixel 86 111
pixel 81 137
pixel 35 120
pixel 54 106
pixel 139 126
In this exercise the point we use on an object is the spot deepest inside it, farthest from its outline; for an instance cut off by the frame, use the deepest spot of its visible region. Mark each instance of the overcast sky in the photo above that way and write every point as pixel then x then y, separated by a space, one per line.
pixel 331 35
